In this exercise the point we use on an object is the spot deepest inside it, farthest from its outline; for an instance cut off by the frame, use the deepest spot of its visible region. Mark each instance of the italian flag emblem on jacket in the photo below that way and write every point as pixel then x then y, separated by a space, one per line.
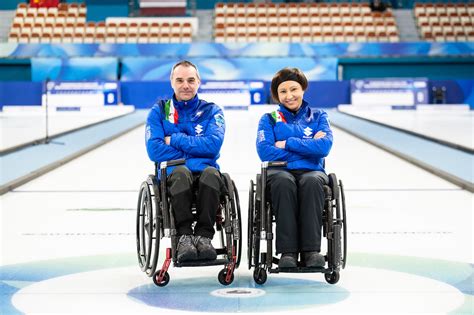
pixel 278 116
pixel 171 113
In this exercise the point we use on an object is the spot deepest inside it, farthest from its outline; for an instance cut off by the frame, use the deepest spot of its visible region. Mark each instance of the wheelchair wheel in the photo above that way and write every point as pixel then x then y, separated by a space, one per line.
pixel 143 226
pixel 332 278
pixel 237 226
pixel 253 248
pixel 344 224
pixel 148 226
pixel 336 226
pixel 233 223
pixel 250 234
pixel 164 281
pixel 260 275
pixel 222 277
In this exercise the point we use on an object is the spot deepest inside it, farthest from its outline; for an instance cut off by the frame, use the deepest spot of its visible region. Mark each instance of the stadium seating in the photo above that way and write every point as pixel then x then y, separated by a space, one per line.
pixel 302 22
pixel 245 22
pixel 442 22
pixel 67 24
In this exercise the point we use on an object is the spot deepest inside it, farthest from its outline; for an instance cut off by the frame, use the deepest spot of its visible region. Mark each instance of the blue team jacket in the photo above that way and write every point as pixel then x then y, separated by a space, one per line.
pixel 196 128
pixel 302 152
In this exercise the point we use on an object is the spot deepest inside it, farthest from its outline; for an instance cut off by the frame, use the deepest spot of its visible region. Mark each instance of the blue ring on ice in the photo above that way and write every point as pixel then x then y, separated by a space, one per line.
pixel 195 294
pixel 457 274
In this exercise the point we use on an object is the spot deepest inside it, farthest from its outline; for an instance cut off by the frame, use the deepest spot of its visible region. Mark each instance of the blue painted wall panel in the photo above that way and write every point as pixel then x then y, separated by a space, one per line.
pixel 144 94
pixel 9 4
pixel 74 69
pixel 319 93
pixel 328 93
pixel 239 68
pixel 454 69
pixel 230 50
pixel 20 93
pixel 457 91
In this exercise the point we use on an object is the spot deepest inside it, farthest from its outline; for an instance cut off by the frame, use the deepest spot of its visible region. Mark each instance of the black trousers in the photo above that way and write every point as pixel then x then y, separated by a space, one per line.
pixel 298 201
pixel 182 185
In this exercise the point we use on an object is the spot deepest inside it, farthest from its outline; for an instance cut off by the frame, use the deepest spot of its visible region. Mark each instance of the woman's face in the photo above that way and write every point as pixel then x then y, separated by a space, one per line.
pixel 290 94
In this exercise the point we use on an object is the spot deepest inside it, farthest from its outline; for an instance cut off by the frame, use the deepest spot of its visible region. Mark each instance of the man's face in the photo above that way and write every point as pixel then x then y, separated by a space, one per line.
pixel 185 82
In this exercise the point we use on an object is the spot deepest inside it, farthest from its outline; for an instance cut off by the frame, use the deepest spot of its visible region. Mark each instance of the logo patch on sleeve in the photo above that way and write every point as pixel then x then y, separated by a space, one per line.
pixel 278 116
pixel 219 120
pixel 147 133
pixel 261 136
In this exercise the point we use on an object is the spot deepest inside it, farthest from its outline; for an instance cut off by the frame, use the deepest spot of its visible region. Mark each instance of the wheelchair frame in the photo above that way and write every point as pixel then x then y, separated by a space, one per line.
pixel 155 220
pixel 260 231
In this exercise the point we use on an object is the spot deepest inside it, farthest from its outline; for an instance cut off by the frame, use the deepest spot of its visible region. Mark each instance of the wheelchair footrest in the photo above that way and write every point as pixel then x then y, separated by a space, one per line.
pixel 201 263
pixel 299 270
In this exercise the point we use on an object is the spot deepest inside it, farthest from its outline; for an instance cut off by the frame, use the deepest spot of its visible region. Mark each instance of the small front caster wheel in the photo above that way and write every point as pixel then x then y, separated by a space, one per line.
pixel 163 281
pixel 222 277
pixel 332 277
pixel 260 275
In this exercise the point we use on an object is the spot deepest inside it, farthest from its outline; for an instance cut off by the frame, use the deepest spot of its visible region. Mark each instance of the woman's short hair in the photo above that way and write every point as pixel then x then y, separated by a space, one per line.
pixel 287 74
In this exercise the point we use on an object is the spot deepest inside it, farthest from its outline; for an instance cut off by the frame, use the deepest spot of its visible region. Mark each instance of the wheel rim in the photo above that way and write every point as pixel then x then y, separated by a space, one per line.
pixel 238 242
pixel 344 223
pixel 148 228
pixel 143 216
pixel 139 223
pixel 255 239
pixel 155 227
pixel 250 225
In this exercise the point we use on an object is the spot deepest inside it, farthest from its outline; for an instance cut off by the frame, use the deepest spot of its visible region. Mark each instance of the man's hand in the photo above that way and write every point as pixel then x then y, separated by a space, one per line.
pixel 319 135
pixel 167 140
pixel 280 144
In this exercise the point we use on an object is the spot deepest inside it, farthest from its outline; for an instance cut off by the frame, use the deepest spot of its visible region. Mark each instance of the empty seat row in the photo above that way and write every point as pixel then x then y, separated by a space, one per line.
pixel 304 27
pixel 76 8
pixel 109 38
pixel 449 36
pixel 303 17
pixel 307 37
pixel 245 8
pixel 440 8
pixel 92 28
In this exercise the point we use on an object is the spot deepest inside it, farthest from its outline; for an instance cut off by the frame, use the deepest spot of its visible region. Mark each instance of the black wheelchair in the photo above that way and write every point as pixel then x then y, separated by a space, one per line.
pixel 260 230
pixel 155 221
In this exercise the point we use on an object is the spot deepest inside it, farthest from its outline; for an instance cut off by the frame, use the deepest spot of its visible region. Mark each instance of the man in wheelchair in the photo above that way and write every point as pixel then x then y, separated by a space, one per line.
pixel 186 127
pixel 302 137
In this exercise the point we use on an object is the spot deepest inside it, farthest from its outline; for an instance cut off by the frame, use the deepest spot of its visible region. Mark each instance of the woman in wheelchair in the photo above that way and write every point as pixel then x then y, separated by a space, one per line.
pixel 186 127
pixel 301 137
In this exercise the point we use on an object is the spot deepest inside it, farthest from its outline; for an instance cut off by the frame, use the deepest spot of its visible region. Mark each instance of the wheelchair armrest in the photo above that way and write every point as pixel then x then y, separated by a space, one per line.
pixel 258 192
pixel 267 164
pixel 166 164
pixel 229 184
pixel 333 184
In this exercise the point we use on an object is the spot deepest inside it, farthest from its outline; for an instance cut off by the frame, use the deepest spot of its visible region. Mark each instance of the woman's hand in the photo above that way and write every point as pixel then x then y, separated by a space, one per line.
pixel 280 144
pixel 167 140
pixel 319 135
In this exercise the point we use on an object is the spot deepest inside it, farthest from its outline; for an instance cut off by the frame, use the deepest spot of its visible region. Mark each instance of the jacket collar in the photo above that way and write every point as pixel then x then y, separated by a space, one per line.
pixel 189 105
pixel 290 115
